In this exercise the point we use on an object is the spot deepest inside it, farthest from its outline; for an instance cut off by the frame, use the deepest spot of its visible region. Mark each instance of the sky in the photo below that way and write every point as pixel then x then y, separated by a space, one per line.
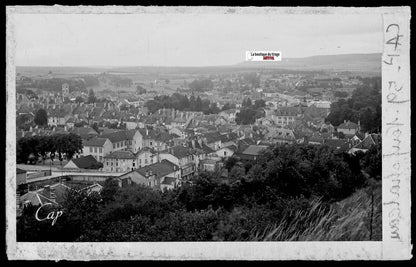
pixel 186 39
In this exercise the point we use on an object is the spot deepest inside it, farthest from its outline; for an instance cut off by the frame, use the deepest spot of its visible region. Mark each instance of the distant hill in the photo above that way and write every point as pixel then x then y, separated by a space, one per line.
pixel 362 63
pixel 346 62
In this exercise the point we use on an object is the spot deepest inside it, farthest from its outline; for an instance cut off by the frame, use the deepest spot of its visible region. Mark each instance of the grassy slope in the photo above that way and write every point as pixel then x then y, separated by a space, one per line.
pixel 347 220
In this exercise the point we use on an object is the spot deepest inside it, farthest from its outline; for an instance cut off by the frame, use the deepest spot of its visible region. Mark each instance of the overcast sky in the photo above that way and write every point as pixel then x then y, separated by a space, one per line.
pixel 186 39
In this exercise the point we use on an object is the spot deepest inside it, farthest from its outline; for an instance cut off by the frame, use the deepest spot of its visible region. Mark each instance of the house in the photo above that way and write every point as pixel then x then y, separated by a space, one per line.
pixel 252 152
pixel 84 162
pixel 226 151
pixel 340 144
pixel 229 115
pixel 146 156
pixel 125 140
pixel 264 121
pixel 53 194
pixel 57 116
pixel 209 165
pixel 213 140
pixel 131 123
pixel 97 147
pixel 315 140
pixel 154 175
pixel 184 157
pixel 120 161
pixel 155 138
pixel 368 141
pixel 286 115
pixel 349 128
pixel 280 136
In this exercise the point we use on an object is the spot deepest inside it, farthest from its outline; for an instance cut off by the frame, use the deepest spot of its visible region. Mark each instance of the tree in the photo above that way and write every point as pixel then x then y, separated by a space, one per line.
pixel 246 103
pixel 24 121
pixel 91 96
pixel 259 103
pixel 79 99
pixel 140 90
pixel 41 118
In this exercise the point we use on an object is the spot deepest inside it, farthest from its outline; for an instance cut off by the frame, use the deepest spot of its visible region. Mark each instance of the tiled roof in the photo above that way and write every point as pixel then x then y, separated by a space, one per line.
pixel 348 125
pixel 180 151
pixel 120 135
pixel 96 141
pixel 337 143
pixel 121 155
pixel 159 169
pixel 84 132
pixel 85 162
pixel 254 150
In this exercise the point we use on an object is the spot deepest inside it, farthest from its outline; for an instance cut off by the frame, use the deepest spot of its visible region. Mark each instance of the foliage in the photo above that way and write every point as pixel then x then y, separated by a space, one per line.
pixel 41 146
pixel 364 106
pixel 183 103
pixel 91 96
pixel 24 121
pixel 41 117
pixel 140 90
pixel 296 192
pixel 201 85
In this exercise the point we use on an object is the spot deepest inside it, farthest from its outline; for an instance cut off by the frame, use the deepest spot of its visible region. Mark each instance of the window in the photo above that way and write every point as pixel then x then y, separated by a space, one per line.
pixel 225 153
pixel 107 163
pixel 145 161
pixel 134 164
pixel 101 150
pixel 95 150
pixel 151 143
pixel 114 145
pixel 90 149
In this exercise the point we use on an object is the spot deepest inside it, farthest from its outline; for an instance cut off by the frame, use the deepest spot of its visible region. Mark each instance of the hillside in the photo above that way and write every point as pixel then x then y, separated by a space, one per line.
pixel 347 62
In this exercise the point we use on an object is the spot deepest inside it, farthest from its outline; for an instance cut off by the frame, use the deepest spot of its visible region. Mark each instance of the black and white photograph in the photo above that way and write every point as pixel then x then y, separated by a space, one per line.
pixel 181 127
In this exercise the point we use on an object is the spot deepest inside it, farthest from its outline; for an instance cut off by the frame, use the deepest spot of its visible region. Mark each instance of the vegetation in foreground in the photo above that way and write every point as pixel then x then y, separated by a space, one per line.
pixel 291 193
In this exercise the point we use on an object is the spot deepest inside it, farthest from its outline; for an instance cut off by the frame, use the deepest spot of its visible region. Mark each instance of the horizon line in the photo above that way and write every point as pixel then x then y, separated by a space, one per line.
pixel 187 66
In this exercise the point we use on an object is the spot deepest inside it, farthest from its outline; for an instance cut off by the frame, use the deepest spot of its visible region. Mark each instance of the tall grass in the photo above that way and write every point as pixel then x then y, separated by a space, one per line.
pixel 356 218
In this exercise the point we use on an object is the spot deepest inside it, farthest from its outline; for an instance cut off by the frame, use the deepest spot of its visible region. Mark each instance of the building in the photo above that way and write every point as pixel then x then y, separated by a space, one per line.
pixel 159 175
pixel 226 151
pixel 252 152
pixel 84 162
pixel 125 140
pixel 368 141
pixel 349 128
pixel 98 147
pixel 184 157
pixel 286 115
pixel 120 161
pixel 146 156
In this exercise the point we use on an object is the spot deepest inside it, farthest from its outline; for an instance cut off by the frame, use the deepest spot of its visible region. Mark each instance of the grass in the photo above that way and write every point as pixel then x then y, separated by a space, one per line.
pixel 352 219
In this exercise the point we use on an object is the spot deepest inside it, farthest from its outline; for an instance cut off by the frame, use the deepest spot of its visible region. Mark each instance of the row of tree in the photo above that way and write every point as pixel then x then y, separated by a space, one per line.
pixel 280 185
pixel 183 103
pixel 61 145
